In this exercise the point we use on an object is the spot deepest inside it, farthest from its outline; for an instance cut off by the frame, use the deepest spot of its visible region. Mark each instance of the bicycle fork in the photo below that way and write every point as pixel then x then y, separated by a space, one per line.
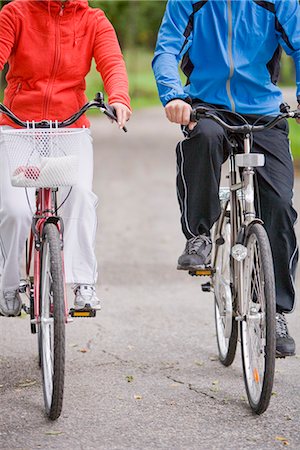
pixel 243 211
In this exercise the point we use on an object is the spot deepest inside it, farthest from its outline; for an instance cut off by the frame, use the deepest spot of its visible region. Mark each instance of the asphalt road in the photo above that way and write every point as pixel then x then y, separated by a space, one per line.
pixel 144 373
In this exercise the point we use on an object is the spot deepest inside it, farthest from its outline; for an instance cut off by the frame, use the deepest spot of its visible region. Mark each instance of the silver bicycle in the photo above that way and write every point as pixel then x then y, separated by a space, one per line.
pixel 242 273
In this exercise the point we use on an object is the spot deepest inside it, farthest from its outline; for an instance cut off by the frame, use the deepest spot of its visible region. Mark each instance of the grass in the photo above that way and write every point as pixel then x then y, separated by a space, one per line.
pixel 295 138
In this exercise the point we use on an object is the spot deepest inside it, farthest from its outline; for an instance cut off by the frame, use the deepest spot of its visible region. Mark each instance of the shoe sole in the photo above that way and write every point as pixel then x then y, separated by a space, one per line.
pixel 87 307
pixel 283 355
pixel 194 268
pixel 18 314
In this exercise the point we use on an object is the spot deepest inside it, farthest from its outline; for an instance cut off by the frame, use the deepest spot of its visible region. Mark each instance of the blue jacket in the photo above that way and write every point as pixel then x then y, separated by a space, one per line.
pixel 229 51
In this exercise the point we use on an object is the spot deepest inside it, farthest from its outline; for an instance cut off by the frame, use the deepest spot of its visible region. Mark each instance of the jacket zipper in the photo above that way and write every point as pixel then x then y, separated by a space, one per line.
pixel 54 67
pixel 231 64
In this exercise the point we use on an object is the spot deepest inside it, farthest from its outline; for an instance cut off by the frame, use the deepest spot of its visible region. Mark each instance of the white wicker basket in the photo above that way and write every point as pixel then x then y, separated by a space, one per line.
pixel 43 157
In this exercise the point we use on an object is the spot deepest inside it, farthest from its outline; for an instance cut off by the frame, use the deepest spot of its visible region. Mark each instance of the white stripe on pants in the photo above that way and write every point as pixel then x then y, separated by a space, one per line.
pixel 79 216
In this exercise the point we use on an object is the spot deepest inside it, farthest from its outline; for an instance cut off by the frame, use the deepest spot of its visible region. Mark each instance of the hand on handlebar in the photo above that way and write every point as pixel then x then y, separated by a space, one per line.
pixel 178 111
pixel 122 112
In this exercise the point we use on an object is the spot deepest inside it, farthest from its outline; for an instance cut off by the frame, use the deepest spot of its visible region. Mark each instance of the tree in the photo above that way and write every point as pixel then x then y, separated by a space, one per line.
pixel 136 22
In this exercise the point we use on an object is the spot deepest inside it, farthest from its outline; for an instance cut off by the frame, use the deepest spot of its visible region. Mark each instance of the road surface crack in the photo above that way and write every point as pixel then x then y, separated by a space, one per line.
pixel 118 358
pixel 192 388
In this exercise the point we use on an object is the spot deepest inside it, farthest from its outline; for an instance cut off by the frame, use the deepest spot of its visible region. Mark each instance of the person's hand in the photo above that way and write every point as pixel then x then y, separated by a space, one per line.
pixel 178 111
pixel 122 112
pixel 298 120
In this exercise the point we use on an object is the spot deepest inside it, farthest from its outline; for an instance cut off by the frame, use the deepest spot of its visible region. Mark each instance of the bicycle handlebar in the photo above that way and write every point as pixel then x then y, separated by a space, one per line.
pixel 204 112
pixel 98 102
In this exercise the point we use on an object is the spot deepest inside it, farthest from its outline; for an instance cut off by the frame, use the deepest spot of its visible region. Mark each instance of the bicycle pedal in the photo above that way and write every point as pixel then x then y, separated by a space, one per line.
pixel 206 287
pixel 84 312
pixel 205 272
pixel 25 308
pixel 279 356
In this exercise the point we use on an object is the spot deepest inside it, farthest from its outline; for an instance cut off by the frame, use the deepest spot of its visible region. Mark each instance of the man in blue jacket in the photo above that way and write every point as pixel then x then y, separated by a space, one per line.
pixel 230 52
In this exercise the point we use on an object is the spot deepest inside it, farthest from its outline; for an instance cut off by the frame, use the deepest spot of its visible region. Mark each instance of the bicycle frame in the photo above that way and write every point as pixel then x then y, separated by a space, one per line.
pixel 46 211
pixel 248 215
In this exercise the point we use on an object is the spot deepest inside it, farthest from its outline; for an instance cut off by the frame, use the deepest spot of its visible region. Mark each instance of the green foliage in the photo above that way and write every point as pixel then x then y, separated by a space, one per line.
pixel 287 71
pixel 142 84
pixel 295 138
pixel 136 22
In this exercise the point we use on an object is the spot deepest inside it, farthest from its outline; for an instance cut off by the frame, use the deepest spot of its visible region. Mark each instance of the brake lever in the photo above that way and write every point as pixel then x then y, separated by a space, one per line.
pixel 108 110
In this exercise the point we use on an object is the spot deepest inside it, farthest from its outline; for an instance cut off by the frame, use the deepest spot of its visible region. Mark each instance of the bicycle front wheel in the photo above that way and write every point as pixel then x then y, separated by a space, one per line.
pixel 52 321
pixel 258 326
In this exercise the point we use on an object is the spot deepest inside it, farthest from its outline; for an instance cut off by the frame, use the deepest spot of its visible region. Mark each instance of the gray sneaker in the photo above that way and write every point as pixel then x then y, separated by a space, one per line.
pixel 10 303
pixel 85 297
pixel 285 344
pixel 197 254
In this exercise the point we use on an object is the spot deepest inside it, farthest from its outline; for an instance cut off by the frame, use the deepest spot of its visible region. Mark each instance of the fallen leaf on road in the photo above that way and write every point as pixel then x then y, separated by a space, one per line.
pixel 283 440
pixel 129 378
pixel 83 350
pixel 53 433
pixel 199 363
pixel 215 386
pixel 26 383
pixel 214 358
pixel 138 397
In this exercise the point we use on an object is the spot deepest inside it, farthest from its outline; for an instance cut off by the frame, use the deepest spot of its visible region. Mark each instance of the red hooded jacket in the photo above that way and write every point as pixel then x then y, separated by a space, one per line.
pixel 49 46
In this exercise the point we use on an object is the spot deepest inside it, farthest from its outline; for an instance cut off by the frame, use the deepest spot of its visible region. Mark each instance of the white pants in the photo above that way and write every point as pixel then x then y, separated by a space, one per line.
pixel 79 216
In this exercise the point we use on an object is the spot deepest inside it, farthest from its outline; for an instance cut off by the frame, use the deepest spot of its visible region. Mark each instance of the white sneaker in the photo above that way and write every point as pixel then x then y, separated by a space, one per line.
pixel 10 303
pixel 85 297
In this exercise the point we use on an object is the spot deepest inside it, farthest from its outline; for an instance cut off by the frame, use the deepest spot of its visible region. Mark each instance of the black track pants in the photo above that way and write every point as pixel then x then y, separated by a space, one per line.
pixel 199 161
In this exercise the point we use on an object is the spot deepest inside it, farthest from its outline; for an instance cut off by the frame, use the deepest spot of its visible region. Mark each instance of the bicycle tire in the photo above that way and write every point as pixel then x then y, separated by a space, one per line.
pixel 52 324
pixel 226 325
pixel 257 329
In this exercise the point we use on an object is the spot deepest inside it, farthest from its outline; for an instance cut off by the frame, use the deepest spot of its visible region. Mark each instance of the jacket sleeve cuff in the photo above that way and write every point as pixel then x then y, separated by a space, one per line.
pixel 175 96
pixel 185 99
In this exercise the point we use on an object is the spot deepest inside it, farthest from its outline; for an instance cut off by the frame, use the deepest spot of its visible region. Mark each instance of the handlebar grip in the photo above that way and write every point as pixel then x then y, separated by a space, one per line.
pixel 198 112
pixel 284 108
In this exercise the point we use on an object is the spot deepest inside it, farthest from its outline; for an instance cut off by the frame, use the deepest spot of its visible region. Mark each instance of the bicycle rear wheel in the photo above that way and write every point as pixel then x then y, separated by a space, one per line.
pixel 52 321
pixel 258 327
pixel 226 325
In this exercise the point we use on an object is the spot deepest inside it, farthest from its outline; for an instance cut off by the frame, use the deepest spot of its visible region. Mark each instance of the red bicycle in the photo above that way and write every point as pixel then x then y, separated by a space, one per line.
pixel 44 155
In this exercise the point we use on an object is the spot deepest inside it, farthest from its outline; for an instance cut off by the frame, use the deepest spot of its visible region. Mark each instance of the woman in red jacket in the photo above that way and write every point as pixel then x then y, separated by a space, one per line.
pixel 49 45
